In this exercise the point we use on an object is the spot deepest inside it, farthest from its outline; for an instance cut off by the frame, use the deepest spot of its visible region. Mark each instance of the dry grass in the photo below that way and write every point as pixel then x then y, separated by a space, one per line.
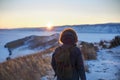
pixel 30 67
pixel 89 51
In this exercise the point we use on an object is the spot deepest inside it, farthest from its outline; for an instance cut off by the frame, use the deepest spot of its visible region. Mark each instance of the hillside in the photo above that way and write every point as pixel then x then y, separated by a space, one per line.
pixel 37 66
pixel 96 28
pixel 31 44
pixel 101 62
pixel 30 67
pixel 25 54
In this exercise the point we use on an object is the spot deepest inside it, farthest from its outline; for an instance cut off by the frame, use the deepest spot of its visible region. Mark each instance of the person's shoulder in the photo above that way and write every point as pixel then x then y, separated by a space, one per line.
pixel 57 49
pixel 76 50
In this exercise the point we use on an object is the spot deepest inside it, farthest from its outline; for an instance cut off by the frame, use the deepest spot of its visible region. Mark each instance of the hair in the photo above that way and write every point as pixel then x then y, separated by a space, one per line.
pixel 68 30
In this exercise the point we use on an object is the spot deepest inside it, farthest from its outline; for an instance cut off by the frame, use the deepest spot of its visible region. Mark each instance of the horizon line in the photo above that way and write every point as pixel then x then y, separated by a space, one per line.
pixel 64 25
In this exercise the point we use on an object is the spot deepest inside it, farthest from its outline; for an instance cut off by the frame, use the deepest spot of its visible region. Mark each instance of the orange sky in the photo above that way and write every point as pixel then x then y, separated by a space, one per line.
pixel 38 13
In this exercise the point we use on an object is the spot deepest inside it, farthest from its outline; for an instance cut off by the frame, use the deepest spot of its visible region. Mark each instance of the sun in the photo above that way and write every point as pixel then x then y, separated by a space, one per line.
pixel 49 26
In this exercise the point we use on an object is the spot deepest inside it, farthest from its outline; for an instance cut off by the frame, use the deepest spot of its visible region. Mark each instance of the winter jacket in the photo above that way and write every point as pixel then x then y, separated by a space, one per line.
pixel 76 61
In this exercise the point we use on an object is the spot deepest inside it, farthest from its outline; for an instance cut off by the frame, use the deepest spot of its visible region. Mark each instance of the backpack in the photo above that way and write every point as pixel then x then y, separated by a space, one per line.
pixel 64 68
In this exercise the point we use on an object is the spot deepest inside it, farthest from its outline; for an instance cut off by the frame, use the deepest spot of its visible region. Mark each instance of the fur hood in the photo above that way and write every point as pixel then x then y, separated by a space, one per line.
pixel 68 36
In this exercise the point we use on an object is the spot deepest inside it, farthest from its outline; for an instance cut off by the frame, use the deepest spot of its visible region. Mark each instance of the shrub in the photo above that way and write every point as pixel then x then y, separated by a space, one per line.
pixel 88 50
pixel 115 42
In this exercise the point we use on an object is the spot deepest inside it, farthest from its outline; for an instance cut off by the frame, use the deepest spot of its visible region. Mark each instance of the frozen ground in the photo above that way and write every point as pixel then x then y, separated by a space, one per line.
pixel 106 67
pixel 7 36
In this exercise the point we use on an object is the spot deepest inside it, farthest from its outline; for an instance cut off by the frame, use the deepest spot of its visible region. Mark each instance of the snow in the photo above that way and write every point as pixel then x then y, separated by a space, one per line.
pixel 21 52
pixel 3 54
pixel 96 28
pixel 95 37
pixel 8 36
pixel 106 67
pixel 116 50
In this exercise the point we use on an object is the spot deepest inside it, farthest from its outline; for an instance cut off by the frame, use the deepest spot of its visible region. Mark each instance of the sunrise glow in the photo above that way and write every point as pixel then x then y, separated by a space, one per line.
pixel 37 13
pixel 49 26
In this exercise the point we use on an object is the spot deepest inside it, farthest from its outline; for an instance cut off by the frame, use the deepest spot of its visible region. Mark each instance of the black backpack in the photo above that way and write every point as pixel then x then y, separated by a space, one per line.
pixel 64 68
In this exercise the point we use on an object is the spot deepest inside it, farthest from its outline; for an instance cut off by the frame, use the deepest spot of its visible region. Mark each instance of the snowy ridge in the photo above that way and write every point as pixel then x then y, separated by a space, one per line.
pixel 32 42
pixel 98 28
pixel 28 45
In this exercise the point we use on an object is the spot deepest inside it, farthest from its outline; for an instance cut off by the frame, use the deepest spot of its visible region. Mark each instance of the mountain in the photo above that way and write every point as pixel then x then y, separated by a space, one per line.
pixel 87 28
pixel 96 28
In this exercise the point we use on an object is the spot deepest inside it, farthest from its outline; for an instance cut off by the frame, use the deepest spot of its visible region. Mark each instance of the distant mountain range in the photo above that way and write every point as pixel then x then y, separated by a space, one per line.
pixel 96 28
pixel 87 28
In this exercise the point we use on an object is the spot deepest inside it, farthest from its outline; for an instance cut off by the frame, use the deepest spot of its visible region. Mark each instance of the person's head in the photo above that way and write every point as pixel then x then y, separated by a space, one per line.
pixel 68 36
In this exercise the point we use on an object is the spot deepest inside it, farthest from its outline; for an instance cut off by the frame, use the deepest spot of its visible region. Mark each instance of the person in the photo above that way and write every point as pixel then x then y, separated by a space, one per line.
pixel 68 38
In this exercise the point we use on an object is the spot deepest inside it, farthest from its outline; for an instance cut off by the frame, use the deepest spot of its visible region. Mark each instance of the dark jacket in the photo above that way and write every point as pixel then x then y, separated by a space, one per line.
pixel 76 61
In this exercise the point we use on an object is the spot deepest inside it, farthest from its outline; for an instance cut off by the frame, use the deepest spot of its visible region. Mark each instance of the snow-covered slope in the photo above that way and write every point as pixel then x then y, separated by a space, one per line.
pixel 9 36
pixel 33 42
pixel 28 45
pixel 97 28
pixel 106 67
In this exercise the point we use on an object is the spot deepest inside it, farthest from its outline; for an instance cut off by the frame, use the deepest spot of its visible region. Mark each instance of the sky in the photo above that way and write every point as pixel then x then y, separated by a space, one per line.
pixel 40 13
